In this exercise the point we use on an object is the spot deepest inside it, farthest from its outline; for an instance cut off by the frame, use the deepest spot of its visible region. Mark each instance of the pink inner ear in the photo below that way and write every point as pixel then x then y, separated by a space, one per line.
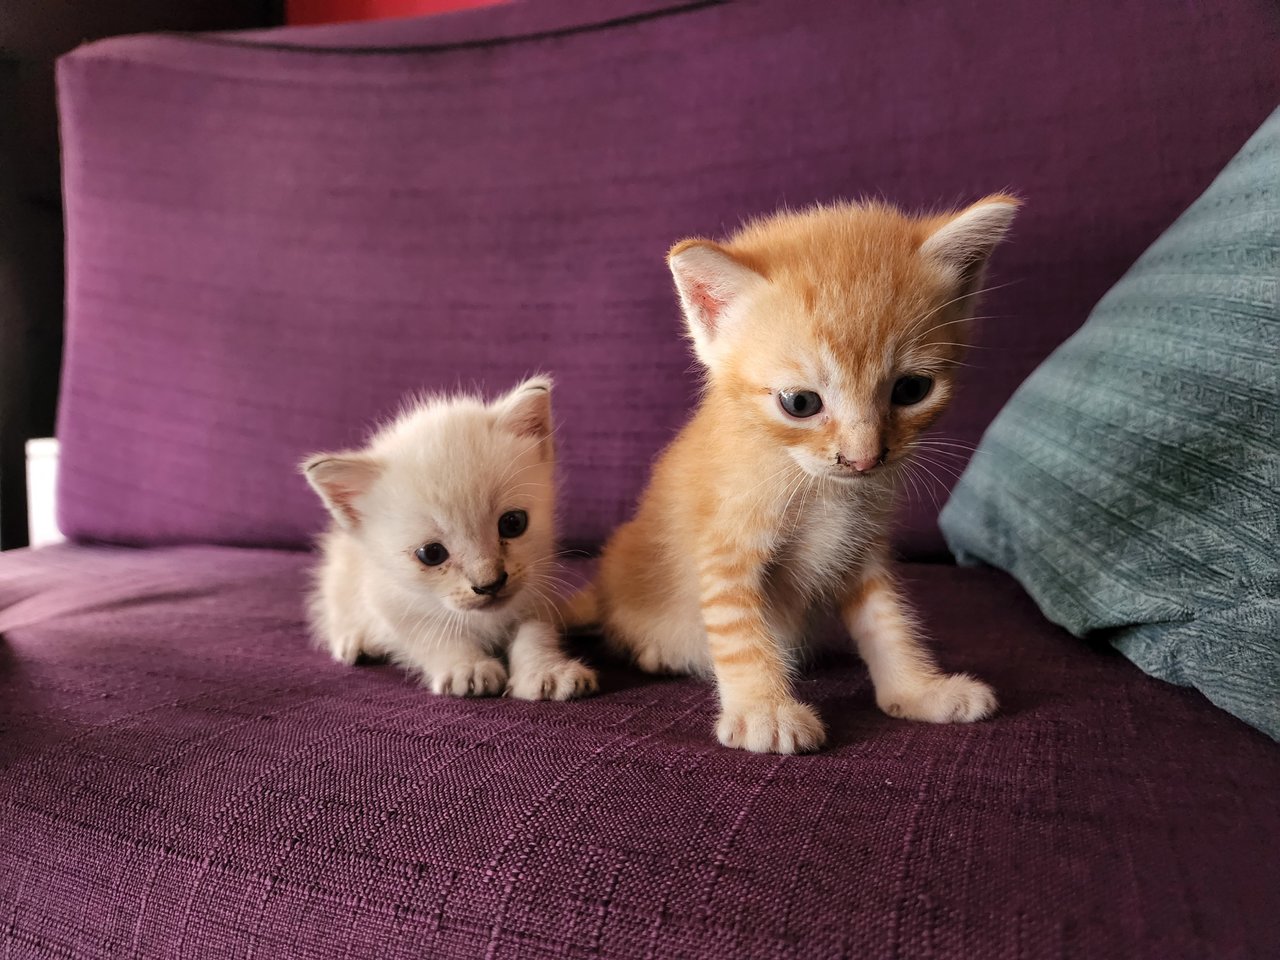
pixel 528 425
pixel 530 417
pixel 343 499
pixel 341 482
pixel 708 304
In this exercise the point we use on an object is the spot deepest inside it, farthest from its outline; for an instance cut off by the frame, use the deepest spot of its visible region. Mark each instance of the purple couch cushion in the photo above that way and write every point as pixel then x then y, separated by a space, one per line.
pixel 180 775
pixel 270 244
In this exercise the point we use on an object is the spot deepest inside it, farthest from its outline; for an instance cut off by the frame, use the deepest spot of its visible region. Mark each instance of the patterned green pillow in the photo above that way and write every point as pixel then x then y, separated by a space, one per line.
pixel 1132 484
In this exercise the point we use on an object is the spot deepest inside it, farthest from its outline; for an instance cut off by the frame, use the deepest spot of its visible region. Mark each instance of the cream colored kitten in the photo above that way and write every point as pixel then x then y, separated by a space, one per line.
pixel 830 339
pixel 441 555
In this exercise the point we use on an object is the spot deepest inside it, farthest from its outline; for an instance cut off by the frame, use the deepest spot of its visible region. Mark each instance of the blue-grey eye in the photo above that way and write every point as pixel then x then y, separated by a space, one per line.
pixel 910 390
pixel 432 554
pixel 801 404
pixel 512 523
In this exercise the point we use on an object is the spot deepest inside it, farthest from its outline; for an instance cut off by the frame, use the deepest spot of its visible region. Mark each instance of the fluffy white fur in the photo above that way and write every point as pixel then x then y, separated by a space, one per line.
pixel 445 473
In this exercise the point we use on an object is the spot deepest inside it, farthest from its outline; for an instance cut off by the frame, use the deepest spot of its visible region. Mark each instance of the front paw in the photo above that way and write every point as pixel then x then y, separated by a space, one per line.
pixel 558 680
pixel 474 678
pixel 786 727
pixel 950 698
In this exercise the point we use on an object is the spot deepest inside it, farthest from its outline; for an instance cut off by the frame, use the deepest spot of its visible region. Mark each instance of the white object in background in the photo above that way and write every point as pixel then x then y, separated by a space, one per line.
pixel 42 479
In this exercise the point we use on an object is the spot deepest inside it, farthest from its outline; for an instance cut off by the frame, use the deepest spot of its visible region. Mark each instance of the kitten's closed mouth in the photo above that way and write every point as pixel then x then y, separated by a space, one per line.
pixel 491 603
pixel 884 469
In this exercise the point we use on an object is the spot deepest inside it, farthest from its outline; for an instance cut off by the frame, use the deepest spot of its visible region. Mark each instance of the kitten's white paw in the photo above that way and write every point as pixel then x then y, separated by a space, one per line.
pixel 951 698
pixel 473 678
pixel 650 661
pixel 786 727
pixel 345 649
pixel 557 680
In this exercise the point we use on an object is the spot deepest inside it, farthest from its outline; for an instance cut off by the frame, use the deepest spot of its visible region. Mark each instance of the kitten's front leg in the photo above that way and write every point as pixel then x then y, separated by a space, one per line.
pixel 757 709
pixel 907 680
pixel 541 671
pixel 458 667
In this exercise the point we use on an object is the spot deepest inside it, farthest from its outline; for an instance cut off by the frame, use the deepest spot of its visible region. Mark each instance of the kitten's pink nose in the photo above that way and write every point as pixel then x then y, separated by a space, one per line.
pixel 862 463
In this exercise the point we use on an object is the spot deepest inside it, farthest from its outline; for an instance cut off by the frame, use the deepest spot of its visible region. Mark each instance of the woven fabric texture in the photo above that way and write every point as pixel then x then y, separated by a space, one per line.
pixel 1132 484
pixel 270 243
pixel 181 776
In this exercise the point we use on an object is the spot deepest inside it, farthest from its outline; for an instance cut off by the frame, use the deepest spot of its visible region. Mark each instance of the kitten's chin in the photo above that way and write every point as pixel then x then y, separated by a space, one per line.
pixel 851 478
pixel 486 607
pixel 491 609
pixel 840 475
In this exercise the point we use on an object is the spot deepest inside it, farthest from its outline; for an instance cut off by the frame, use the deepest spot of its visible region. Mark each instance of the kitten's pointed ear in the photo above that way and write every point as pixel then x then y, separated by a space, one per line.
pixel 341 479
pixel 709 280
pixel 964 241
pixel 526 410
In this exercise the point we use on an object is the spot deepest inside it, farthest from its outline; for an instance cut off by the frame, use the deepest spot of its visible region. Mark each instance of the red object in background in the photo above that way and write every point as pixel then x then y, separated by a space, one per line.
pixel 341 11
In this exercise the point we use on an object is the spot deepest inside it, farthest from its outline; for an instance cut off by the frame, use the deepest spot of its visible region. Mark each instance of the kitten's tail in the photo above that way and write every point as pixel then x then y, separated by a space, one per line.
pixel 582 610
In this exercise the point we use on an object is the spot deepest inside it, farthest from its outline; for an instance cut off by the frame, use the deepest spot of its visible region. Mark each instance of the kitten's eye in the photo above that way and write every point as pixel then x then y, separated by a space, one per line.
pixel 432 554
pixel 801 404
pixel 910 390
pixel 512 523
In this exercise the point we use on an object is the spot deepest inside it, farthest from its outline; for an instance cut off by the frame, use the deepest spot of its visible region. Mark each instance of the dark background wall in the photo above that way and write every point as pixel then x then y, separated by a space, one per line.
pixel 32 35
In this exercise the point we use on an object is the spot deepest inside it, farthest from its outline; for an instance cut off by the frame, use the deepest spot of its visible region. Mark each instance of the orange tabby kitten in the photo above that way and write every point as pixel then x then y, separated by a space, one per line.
pixel 830 339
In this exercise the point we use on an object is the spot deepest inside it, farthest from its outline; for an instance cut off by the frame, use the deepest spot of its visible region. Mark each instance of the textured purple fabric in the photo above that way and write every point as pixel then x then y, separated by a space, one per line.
pixel 268 247
pixel 182 776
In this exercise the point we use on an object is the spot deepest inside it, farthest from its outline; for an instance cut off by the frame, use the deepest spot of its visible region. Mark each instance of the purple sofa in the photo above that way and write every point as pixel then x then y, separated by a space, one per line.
pixel 272 236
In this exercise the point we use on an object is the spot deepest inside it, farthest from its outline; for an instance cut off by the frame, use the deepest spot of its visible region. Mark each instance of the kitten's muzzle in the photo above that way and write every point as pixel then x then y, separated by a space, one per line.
pixel 491 589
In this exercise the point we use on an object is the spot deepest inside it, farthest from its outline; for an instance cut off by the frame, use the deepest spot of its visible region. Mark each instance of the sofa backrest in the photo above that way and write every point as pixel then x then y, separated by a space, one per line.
pixel 273 237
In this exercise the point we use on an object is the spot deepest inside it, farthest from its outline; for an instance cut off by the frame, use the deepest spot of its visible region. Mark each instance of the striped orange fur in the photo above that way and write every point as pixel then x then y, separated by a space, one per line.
pixel 817 330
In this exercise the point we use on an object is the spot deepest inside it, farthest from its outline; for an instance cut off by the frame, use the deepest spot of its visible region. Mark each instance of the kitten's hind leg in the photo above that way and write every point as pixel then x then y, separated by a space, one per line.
pixel 661 641
pixel 582 610
pixel 540 670
pixel 342 627
pixel 347 647
pixel 341 617
pixel 908 682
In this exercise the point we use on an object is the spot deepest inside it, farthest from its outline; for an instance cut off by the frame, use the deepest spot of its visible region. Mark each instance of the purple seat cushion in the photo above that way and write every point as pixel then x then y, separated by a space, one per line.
pixel 182 776
pixel 271 238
